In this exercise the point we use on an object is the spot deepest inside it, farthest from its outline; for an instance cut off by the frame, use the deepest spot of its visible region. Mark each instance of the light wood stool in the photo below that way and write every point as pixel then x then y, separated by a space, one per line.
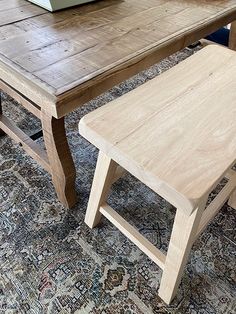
pixel 177 134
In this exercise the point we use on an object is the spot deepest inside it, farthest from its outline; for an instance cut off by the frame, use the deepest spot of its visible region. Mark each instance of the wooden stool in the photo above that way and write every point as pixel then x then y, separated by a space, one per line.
pixel 177 134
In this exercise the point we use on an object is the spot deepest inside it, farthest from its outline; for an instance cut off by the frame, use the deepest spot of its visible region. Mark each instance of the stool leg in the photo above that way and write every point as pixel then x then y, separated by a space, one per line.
pixel 232 200
pixel 182 237
pixel 103 179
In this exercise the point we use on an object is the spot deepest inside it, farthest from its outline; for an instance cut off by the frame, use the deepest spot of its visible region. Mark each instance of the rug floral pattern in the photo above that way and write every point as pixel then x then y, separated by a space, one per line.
pixel 51 262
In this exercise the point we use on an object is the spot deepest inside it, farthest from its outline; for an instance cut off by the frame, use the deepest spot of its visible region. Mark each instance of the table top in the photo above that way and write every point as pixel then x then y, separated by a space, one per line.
pixel 64 59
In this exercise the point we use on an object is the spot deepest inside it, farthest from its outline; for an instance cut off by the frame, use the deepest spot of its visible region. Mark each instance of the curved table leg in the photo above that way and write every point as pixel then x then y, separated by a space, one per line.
pixel 1 131
pixel 60 159
pixel 232 38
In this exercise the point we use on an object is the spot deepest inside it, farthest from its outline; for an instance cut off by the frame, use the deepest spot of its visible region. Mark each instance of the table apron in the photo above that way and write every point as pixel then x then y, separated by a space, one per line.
pixel 78 96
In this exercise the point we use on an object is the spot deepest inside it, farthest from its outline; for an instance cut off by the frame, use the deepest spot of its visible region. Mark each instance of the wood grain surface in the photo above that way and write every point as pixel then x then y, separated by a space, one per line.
pixel 64 59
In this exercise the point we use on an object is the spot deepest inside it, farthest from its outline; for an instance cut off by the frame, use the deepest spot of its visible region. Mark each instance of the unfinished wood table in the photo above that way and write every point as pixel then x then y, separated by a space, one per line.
pixel 54 63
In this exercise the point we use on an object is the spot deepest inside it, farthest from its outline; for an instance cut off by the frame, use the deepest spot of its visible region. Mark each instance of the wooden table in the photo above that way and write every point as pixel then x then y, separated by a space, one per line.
pixel 53 63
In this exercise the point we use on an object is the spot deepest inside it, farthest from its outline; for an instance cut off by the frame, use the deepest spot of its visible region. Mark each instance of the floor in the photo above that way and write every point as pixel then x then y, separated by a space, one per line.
pixel 51 262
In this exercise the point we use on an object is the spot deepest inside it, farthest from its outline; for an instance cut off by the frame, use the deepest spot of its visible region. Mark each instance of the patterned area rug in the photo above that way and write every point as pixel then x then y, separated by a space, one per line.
pixel 51 262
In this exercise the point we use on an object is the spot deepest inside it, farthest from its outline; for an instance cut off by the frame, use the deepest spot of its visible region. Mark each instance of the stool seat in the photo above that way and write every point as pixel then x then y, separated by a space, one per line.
pixel 177 132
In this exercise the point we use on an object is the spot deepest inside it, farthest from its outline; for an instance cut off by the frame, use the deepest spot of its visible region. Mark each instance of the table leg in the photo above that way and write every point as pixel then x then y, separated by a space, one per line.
pixel 1 131
pixel 232 38
pixel 232 200
pixel 60 159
